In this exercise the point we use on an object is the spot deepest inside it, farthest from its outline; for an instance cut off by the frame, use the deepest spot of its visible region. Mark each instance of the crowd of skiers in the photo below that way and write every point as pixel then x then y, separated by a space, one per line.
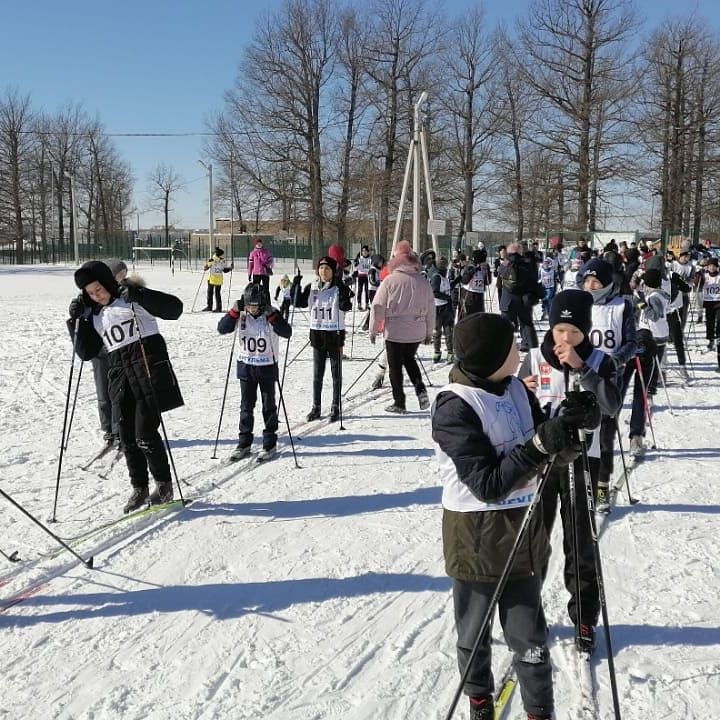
pixel 503 428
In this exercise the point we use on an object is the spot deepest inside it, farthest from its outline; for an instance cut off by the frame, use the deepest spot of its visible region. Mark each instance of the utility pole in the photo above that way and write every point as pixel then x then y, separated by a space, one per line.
pixel 211 229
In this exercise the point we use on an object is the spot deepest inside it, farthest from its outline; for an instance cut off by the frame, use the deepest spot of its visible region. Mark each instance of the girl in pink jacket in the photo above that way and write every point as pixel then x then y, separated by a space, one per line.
pixel 260 264
pixel 403 310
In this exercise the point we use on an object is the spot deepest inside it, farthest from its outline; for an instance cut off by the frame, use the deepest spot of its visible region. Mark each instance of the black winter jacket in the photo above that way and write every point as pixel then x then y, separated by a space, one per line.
pixel 128 372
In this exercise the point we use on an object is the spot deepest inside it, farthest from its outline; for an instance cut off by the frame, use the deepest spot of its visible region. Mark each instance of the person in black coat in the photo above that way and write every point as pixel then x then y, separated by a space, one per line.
pixel 141 381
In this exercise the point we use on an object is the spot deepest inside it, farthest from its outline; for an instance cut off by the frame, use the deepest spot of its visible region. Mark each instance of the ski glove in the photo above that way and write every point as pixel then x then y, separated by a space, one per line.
pixel 556 435
pixel 272 315
pixel 130 293
pixel 77 307
pixel 581 409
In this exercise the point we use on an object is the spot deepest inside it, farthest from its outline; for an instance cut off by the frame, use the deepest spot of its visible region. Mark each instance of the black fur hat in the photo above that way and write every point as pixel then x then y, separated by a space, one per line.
pixel 93 271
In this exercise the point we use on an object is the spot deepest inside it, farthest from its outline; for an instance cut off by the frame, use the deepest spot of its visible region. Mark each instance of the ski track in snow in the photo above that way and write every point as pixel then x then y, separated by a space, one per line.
pixel 317 592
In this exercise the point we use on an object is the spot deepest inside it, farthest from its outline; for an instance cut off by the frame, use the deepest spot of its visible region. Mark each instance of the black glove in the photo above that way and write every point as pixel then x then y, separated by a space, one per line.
pixel 555 436
pixel 581 410
pixel 77 307
pixel 130 293
pixel 239 305
pixel 271 314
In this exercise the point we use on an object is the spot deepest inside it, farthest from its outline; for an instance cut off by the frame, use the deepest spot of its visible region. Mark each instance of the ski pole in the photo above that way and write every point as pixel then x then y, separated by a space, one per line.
pixel 352 332
pixel 648 413
pixel 224 397
pixel 287 345
pixel 599 573
pixel 500 586
pixel 297 355
pixel 575 538
pixel 427 377
pixel 88 563
pixel 282 404
pixel 12 557
pixel 74 404
pixel 155 401
pixel 632 500
pixel 197 292
pixel 229 287
pixel 662 379
pixel 65 418
pixel 367 367
pixel 340 407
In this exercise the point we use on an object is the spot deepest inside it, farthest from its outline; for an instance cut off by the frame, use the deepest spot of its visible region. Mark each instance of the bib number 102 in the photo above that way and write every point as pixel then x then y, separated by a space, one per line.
pixel 116 334
pixel 252 345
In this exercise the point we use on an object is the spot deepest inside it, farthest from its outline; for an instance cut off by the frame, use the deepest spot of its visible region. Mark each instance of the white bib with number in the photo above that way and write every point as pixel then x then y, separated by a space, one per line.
pixel 711 288
pixel 445 289
pixel 363 265
pixel 607 325
pixel 325 311
pixel 257 343
pixel 477 281
pixel 116 326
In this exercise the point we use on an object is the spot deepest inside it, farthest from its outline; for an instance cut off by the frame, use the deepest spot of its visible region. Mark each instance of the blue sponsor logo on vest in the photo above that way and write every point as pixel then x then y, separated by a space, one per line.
pixel 520 500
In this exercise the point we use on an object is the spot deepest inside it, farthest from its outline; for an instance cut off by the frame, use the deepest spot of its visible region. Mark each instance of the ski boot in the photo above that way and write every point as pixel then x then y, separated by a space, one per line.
pixel 423 400
pixel 396 409
pixel 334 414
pixel 377 383
pixel 137 499
pixel 602 498
pixel 585 641
pixel 314 413
pixel 240 452
pixel 266 454
pixel 163 493
pixel 481 708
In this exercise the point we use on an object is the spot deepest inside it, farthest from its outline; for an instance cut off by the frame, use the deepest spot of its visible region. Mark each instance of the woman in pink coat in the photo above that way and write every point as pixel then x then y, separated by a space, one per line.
pixel 260 263
pixel 403 310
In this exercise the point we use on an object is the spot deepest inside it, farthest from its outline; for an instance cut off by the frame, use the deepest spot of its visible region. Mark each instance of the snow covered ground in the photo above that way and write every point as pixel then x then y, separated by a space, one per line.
pixel 307 593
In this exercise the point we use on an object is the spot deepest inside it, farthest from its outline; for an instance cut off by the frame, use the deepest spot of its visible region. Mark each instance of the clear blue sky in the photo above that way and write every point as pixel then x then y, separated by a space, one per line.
pixel 163 66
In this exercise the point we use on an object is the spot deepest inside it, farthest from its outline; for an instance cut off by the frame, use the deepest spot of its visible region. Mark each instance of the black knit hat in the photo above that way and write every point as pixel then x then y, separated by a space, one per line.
pixel 482 342
pixel 600 269
pixel 329 261
pixel 573 307
pixel 427 256
pixel 93 271
pixel 254 294
pixel 652 278
pixel 219 251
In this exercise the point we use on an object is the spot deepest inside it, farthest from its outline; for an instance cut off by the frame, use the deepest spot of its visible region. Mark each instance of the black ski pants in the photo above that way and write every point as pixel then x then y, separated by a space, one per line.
pixel 520 314
pixel 248 394
pixel 523 623
pixel 676 335
pixel 108 417
pixel 263 280
pixel 444 322
pixel 557 487
pixel 473 302
pixel 138 424
pixel 362 287
pixel 402 355
pixel 646 357
pixel 215 290
pixel 320 357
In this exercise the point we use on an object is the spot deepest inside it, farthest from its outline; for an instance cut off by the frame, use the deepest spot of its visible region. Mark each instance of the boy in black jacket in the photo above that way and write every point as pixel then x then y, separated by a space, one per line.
pixel 141 382
pixel 258 325
pixel 566 348
pixel 492 440
pixel 328 299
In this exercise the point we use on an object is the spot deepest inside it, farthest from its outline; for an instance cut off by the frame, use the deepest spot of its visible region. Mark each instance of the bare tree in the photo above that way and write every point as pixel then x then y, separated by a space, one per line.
pixel 16 148
pixel 576 51
pixel 164 182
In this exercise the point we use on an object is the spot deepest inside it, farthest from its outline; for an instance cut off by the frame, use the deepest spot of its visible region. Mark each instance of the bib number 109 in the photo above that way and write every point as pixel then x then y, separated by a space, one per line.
pixel 252 345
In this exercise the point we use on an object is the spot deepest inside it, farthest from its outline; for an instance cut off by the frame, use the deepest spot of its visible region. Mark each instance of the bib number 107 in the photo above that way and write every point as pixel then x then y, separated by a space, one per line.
pixel 116 334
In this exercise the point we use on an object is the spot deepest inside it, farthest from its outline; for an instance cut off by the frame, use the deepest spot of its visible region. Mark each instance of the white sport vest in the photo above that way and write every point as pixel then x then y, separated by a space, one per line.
pixel 477 281
pixel 445 289
pixel 675 304
pixel 258 344
pixel 547 278
pixel 325 313
pixel 507 421
pixel 116 326
pixel 551 390
pixel 711 288
pixel 607 325
pixel 658 328
pixel 363 265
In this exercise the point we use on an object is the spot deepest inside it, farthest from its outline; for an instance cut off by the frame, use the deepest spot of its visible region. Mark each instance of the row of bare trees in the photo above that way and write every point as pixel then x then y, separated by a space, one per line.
pixel 577 108
pixel 44 160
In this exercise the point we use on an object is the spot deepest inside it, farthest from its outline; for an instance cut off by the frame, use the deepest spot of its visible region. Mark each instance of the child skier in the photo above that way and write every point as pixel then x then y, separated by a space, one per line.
pixel 141 383
pixel 709 289
pixel 217 267
pixel 614 331
pixel 475 279
pixel 258 326
pixel 363 262
pixel 548 279
pixel 566 348
pixel 444 317
pixel 328 299
pixel 285 287
pixel 491 441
